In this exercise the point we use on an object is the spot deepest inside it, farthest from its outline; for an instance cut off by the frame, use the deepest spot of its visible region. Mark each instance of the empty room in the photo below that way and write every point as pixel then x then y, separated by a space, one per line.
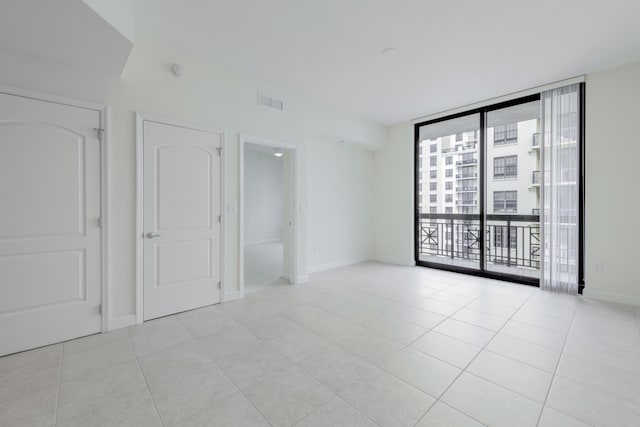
pixel 319 213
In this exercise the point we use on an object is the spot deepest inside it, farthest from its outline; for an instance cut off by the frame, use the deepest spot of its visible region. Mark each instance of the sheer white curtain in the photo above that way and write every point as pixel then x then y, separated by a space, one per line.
pixel 560 189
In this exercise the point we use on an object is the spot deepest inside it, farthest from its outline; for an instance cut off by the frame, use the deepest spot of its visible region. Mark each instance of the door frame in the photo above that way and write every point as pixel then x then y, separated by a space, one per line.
pixel 140 118
pixel 294 258
pixel 104 112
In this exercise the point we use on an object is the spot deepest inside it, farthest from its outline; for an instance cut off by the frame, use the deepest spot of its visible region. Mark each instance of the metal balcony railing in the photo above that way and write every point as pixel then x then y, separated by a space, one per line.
pixel 510 240
pixel 466 202
pixel 466 189
pixel 458 149
pixel 466 175
pixel 467 162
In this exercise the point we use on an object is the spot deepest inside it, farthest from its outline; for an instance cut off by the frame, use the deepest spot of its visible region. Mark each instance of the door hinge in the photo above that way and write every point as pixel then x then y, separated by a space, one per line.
pixel 100 222
pixel 219 218
pixel 100 309
pixel 219 285
pixel 219 150
pixel 100 132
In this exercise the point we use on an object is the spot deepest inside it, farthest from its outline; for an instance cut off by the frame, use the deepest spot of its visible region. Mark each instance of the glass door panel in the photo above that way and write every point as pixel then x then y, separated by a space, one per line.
pixel 447 192
pixel 512 195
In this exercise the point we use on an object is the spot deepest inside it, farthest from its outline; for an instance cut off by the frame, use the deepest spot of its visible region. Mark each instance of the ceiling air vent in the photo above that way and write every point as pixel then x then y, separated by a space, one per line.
pixel 267 101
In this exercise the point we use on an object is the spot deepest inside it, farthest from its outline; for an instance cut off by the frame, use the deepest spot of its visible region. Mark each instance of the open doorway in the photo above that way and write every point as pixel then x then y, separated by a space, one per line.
pixel 266 222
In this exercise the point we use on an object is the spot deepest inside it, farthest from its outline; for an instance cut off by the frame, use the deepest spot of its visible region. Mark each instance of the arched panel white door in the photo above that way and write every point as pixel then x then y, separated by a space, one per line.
pixel 49 223
pixel 181 218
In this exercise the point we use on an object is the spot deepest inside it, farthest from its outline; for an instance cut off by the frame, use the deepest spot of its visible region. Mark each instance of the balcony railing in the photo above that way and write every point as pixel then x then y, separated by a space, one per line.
pixel 466 202
pixel 467 162
pixel 510 240
pixel 466 189
pixel 535 178
pixel 466 175
pixel 536 140
pixel 458 148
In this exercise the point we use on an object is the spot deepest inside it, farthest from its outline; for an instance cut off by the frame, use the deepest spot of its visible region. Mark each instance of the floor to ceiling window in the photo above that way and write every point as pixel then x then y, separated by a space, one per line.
pixel 478 191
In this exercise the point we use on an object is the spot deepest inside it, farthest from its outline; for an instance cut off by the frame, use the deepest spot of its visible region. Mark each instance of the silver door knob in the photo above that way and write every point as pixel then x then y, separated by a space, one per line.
pixel 151 235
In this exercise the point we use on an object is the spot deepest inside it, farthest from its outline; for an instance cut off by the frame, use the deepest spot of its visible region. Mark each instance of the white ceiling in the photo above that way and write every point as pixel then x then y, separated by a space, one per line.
pixel 448 53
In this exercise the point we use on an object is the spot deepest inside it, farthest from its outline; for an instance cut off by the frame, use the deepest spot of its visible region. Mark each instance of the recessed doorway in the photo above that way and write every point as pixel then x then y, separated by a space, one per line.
pixel 267 178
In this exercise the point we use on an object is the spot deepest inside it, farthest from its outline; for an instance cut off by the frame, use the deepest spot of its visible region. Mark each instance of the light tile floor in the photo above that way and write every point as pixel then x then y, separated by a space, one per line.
pixel 366 345
pixel 263 266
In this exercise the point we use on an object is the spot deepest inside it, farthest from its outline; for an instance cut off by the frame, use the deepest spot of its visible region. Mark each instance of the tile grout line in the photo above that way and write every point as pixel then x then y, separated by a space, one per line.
pixel 155 406
pixel 555 372
pixel 335 394
pixel 59 385
pixel 463 370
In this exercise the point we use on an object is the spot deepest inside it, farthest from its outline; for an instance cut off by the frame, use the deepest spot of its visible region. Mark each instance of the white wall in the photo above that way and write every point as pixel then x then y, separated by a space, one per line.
pixel 393 172
pixel 612 195
pixel 340 205
pixel 210 96
pixel 612 202
pixel 263 196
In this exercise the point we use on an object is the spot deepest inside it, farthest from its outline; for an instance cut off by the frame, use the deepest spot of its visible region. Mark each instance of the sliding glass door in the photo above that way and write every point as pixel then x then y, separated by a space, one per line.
pixel 512 182
pixel 478 191
pixel 448 192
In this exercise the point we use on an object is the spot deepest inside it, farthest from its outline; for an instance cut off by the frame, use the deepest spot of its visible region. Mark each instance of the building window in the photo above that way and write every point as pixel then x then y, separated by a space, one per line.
pixel 433 161
pixel 433 209
pixel 433 173
pixel 448 185
pixel 505 134
pixel 505 201
pixel 500 237
pixel 433 198
pixel 505 167
pixel 448 198
pixel 448 173
pixel 458 137
pixel 449 160
pixel 448 209
pixel 433 186
pixel 433 148
pixel 467 197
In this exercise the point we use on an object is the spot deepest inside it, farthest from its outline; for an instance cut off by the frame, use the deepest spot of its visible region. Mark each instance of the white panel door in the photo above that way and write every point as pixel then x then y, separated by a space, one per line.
pixel 181 228
pixel 49 229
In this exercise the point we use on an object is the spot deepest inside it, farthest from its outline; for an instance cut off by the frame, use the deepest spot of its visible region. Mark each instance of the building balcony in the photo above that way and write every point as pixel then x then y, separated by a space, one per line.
pixel 467 162
pixel 466 202
pixel 537 139
pixel 469 146
pixel 470 189
pixel 466 175
pixel 535 178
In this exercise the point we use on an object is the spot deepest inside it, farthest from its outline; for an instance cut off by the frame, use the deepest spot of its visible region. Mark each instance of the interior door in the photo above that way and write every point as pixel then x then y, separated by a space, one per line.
pixel 49 223
pixel 181 218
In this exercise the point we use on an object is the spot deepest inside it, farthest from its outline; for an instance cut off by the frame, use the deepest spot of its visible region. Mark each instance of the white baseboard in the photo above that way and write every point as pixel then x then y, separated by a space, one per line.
pixel 332 265
pixel 395 261
pixel 231 295
pixel 121 322
pixel 261 242
pixel 611 297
